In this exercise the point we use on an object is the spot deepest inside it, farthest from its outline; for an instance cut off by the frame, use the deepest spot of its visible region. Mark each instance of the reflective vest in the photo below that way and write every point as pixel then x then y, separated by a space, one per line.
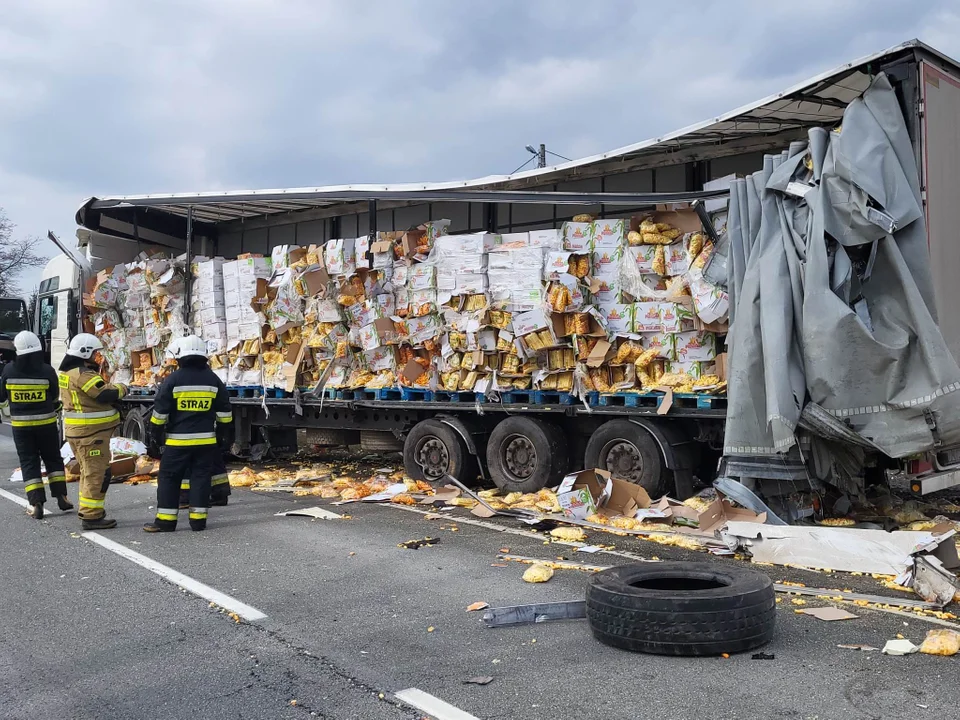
pixel 83 413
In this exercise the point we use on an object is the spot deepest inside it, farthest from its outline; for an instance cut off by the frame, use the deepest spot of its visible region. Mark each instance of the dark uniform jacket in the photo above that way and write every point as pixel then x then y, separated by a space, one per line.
pixel 189 404
pixel 29 397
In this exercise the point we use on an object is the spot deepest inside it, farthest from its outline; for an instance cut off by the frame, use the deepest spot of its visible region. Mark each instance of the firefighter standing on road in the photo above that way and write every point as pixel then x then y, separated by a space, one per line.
pixel 89 419
pixel 29 401
pixel 191 413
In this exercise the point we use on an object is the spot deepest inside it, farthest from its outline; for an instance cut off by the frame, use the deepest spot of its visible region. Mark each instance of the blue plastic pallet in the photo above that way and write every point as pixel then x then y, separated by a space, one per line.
pixel 554 397
pixel 360 394
pixel 332 394
pixel 631 400
pixel 245 391
pixel 140 391
pixel 389 394
pixel 519 397
pixel 701 402
pixel 277 393
pixel 458 396
pixel 653 400
pixel 417 394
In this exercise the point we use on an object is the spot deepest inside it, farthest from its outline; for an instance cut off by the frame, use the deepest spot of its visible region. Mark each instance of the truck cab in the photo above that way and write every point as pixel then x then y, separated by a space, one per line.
pixel 13 319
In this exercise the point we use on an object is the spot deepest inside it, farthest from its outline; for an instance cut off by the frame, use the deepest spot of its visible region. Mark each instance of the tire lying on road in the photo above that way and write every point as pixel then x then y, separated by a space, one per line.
pixel 681 608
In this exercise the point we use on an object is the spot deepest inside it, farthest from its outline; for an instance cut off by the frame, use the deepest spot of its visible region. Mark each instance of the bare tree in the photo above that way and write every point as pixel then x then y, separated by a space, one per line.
pixel 16 255
pixel 32 305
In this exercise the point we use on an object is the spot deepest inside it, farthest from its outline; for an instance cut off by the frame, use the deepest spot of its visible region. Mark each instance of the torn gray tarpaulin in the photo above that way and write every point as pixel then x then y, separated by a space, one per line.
pixel 800 268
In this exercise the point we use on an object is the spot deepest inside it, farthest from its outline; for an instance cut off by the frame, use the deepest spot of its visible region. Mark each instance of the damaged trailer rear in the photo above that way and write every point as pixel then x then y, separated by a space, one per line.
pixel 837 364
pixel 837 254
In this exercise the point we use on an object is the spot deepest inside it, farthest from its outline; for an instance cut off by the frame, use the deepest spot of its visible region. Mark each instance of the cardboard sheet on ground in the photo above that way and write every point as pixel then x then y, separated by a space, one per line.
pixel 872 551
pixel 318 513
pixel 447 492
pixel 828 613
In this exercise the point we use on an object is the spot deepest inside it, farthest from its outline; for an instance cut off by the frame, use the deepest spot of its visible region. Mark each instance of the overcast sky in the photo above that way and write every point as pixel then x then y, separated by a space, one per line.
pixel 116 97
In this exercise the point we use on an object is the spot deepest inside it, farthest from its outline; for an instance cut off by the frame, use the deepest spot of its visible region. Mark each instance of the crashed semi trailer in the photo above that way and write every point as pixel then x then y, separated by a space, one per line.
pixel 536 443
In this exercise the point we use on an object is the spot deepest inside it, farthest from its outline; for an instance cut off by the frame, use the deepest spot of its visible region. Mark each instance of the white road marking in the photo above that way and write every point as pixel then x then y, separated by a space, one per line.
pixel 247 612
pixel 433 706
pixel 14 498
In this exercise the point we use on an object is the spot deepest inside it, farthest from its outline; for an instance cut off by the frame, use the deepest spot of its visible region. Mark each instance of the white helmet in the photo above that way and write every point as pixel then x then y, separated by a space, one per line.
pixel 172 347
pixel 189 346
pixel 84 345
pixel 26 342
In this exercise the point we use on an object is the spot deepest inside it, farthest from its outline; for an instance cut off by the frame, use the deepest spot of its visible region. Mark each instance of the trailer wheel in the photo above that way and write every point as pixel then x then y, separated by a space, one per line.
pixel 628 451
pixel 135 424
pixel 525 454
pixel 433 449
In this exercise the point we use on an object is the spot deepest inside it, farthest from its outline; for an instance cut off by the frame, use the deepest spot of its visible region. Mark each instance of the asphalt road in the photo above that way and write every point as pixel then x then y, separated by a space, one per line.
pixel 90 634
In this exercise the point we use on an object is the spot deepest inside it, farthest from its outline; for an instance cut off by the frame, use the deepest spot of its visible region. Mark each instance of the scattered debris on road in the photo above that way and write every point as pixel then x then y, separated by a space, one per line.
pixel 899 647
pixel 828 614
pixel 317 513
pixel 482 680
pixel 473 607
pixel 763 656
pixel 861 648
pixel 537 573
pixel 417 544
pixel 941 642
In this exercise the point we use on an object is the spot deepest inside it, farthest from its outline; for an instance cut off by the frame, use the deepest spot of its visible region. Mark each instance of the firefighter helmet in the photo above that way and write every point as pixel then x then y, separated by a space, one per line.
pixel 84 346
pixel 190 346
pixel 26 342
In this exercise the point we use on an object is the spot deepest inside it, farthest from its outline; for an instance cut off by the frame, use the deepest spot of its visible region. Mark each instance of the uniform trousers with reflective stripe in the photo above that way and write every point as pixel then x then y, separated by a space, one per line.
pixel 40 442
pixel 93 455
pixel 196 463
pixel 219 484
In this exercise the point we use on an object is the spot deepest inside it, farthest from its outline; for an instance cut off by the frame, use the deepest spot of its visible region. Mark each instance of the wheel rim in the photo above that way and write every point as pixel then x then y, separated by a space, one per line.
pixel 623 459
pixel 432 455
pixel 519 457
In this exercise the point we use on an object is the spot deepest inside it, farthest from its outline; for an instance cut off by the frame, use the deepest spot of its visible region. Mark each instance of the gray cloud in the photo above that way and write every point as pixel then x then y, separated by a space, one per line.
pixel 116 97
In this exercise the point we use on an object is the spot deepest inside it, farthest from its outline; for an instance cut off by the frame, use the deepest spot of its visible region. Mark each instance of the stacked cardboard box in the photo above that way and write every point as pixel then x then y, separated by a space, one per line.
pixel 244 287
pixel 208 309
pixel 137 309
pixel 607 305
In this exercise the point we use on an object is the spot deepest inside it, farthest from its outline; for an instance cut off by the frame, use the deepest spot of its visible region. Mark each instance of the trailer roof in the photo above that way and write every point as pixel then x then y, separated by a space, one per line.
pixel 765 124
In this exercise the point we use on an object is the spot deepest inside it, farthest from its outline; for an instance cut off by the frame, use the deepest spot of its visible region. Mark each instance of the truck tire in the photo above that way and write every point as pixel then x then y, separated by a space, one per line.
pixel 681 608
pixel 135 424
pixel 628 451
pixel 378 441
pixel 433 449
pixel 525 454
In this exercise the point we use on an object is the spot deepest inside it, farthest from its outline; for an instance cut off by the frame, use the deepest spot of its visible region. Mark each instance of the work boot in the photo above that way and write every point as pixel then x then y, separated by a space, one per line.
pixel 99 524
pixel 35 511
pixel 219 502
pixel 198 525
pixel 63 502
pixel 154 528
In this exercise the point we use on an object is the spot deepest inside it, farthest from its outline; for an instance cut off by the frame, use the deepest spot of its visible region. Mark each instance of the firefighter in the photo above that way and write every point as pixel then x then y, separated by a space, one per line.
pixel 189 419
pixel 89 418
pixel 29 399
pixel 219 481
pixel 219 484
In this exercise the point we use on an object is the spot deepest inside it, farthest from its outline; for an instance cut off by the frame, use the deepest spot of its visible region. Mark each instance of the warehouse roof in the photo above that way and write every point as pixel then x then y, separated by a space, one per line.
pixel 768 123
